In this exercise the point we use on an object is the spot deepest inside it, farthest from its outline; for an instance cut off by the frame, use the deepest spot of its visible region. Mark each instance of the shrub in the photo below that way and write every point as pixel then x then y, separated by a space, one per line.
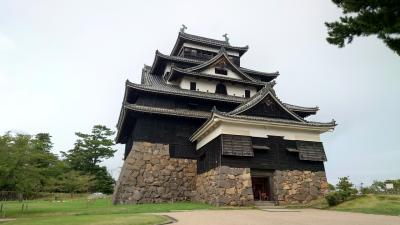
pixel 344 191
pixel 334 198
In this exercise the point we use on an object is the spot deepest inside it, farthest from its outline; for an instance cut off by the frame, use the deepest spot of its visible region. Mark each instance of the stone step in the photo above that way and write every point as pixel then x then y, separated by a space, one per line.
pixel 264 203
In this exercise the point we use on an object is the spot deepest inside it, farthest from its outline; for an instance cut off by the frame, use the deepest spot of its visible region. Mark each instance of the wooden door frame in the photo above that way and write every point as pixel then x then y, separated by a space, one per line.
pixel 265 174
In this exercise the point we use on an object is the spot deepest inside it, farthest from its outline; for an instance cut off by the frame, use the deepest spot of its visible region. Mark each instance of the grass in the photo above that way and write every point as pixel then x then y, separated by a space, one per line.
pixel 115 219
pixel 371 204
pixel 100 211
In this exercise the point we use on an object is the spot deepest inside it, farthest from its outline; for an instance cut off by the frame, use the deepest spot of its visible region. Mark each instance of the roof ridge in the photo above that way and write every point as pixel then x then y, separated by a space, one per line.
pixel 205 41
pixel 223 43
pixel 304 122
pixel 183 59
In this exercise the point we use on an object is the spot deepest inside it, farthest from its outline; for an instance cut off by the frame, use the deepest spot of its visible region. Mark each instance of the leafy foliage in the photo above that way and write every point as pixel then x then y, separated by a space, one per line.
pixel 364 18
pixel 345 187
pixel 379 187
pixel 344 191
pixel 88 152
pixel 28 166
pixel 334 198
pixel 331 187
pixel 25 162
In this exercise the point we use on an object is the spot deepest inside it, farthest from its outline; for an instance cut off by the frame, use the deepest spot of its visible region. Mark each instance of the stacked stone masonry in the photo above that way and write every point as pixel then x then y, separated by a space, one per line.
pixel 296 186
pixel 225 186
pixel 150 175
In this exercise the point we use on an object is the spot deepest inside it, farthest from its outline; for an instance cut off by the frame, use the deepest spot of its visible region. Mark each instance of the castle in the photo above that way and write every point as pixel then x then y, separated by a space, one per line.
pixel 202 127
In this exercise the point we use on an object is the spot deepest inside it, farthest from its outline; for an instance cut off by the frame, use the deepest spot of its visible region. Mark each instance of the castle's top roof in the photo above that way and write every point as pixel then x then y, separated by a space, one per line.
pixel 185 37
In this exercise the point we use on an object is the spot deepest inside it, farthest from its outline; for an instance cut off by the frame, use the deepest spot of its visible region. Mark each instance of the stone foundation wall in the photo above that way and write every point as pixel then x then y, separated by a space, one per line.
pixel 294 186
pixel 150 175
pixel 225 186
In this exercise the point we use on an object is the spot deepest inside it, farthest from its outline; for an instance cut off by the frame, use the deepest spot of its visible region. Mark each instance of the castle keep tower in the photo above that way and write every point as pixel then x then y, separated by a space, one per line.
pixel 202 127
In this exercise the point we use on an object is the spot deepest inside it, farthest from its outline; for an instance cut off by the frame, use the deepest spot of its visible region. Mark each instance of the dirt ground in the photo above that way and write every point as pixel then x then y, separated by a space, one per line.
pixel 279 217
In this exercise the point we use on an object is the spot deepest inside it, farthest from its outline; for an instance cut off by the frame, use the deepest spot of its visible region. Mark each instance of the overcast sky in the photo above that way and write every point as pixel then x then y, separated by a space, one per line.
pixel 63 65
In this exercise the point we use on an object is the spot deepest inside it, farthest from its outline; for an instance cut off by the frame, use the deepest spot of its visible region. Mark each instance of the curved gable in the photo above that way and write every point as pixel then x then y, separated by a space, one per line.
pixel 219 61
pixel 269 107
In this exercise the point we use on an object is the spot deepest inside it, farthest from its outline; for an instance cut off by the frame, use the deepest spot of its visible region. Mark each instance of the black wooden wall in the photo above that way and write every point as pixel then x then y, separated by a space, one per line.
pixel 174 131
pixel 209 156
pixel 275 158
pixel 169 102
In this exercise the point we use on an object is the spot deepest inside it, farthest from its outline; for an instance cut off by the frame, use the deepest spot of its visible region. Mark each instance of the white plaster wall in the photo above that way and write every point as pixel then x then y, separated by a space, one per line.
pixel 259 131
pixel 190 45
pixel 167 68
pixel 231 74
pixel 209 86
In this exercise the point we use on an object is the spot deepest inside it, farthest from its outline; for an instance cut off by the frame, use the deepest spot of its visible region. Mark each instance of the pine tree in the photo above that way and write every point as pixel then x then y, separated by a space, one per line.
pixel 364 18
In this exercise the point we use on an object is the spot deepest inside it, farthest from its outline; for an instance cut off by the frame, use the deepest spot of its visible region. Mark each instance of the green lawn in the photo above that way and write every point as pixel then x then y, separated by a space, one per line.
pixel 82 211
pixel 373 204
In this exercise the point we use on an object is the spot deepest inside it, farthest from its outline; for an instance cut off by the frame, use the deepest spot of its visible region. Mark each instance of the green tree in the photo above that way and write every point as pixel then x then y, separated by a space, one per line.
pixel 103 181
pixel 331 187
pixel 26 162
pixel 89 151
pixel 74 182
pixel 364 18
pixel 345 187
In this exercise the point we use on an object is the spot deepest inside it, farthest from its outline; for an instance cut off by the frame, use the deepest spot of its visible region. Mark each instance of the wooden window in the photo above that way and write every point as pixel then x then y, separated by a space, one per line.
pixel 221 89
pixel 247 93
pixel 220 70
pixel 193 86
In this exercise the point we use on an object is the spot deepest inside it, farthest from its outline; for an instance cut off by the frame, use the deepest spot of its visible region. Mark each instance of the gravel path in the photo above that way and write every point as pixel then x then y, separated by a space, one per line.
pixel 295 217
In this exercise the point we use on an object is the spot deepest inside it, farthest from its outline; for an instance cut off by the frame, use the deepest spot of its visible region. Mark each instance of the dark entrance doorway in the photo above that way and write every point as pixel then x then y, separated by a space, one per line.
pixel 261 188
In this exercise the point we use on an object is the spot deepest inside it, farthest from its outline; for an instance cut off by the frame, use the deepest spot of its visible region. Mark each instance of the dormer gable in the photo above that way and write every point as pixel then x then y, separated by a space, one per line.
pixel 221 65
pixel 265 104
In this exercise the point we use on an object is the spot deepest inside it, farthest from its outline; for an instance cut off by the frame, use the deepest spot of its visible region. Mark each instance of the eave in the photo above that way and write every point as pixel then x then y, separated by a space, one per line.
pixel 202 41
pixel 187 93
pixel 159 57
pixel 195 114
pixel 177 73
pixel 218 117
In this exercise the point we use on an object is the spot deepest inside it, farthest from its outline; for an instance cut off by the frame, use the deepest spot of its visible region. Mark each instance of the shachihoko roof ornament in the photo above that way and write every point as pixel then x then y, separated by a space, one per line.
pixel 183 28
pixel 226 38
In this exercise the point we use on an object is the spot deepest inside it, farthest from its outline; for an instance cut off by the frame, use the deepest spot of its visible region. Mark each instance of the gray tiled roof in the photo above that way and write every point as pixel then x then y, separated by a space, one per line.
pixel 198 62
pixel 205 41
pixel 156 84
pixel 302 108
pixel 166 111
pixel 273 120
pixel 221 78
pixel 268 88
pixel 221 54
